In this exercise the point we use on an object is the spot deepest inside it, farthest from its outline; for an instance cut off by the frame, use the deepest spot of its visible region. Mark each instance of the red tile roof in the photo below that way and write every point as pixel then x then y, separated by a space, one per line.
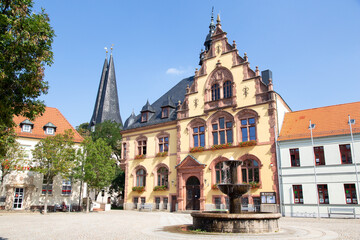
pixel 329 121
pixel 52 115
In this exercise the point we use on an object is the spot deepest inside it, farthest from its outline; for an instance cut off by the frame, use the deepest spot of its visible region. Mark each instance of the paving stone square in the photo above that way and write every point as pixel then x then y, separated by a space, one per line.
pixel 155 225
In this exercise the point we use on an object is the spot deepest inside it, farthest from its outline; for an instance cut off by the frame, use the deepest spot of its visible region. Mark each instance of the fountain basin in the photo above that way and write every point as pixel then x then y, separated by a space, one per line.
pixel 234 190
pixel 236 223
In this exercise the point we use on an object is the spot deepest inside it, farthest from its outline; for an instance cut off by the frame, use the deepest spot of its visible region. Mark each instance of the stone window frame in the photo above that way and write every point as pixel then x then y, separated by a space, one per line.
pixel 254 158
pixel 155 173
pixel 197 122
pixel 215 119
pixel 134 175
pixel 124 150
pixel 246 114
pixel 227 89
pixel 137 140
pixel 162 134
pixel 219 75
pixel 213 164
pixel 165 112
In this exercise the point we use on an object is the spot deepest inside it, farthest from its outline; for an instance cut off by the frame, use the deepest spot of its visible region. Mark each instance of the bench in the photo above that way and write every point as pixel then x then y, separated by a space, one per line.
pixel 145 206
pixel 342 211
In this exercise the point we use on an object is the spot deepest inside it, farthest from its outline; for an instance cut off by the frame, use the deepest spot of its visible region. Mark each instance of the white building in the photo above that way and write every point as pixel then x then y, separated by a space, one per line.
pixel 320 176
pixel 25 190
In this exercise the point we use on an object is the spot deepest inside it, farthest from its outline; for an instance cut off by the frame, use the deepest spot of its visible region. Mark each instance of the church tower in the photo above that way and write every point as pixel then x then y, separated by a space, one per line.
pixel 107 101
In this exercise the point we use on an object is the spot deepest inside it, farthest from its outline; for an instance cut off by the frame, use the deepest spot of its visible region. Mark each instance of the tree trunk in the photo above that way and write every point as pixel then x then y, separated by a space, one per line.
pixel 87 200
pixel 46 197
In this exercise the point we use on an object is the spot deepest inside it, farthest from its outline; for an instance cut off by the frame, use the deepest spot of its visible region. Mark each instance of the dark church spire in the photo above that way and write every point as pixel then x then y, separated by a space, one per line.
pixel 107 101
pixel 212 27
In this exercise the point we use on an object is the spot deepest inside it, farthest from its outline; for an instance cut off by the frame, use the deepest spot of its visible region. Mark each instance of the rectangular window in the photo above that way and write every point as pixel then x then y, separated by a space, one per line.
pixel 142 147
pixel 222 123
pixel 350 194
pixel 142 200
pixel 295 158
pixel 66 187
pixel 165 112
pixel 217 202
pixel 144 117
pixel 26 128
pixel 49 189
pixel 199 136
pixel 244 134
pixel 124 150
pixel 165 203
pixel 319 155
pixel 215 137
pixel 345 153
pixel 248 129
pixel 157 203
pixel 50 131
pixel 163 144
pixel 323 194
pixel 222 137
pixel 298 194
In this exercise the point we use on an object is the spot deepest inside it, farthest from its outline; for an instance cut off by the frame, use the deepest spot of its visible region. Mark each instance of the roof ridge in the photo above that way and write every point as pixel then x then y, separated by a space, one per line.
pixel 309 109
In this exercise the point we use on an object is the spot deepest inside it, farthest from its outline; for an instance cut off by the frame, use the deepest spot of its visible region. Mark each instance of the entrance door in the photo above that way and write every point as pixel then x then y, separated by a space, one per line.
pixel 193 194
pixel 173 203
pixel 18 198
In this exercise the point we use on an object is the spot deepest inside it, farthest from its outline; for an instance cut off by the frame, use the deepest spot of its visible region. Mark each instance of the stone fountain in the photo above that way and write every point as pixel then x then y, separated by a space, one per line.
pixel 235 221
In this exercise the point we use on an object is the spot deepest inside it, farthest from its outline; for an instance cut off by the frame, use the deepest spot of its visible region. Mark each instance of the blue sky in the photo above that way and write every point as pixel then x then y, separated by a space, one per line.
pixel 312 48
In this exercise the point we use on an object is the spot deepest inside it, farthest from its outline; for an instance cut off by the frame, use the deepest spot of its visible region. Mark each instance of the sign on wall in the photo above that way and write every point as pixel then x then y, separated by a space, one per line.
pixel 268 197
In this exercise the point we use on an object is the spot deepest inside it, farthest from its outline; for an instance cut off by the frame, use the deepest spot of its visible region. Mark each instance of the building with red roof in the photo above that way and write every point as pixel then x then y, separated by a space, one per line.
pixel 319 161
pixel 24 190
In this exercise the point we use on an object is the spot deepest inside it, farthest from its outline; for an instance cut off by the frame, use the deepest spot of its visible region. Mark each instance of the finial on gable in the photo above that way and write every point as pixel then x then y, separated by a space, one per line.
pixel 112 46
pixel 106 50
pixel 218 21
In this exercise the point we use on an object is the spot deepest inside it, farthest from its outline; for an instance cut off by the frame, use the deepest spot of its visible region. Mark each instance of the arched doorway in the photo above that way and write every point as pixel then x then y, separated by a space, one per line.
pixel 193 193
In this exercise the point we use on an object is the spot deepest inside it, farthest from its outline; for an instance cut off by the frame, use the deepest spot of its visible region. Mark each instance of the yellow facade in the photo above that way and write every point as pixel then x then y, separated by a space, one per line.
pixel 250 97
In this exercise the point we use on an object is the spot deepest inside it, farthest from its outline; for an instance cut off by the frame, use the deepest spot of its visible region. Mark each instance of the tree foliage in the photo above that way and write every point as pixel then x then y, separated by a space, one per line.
pixel 53 156
pixel 118 182
pixel 12 161
pixel 110 132
pixel 25 46
pixel 97 167
pixel 83 130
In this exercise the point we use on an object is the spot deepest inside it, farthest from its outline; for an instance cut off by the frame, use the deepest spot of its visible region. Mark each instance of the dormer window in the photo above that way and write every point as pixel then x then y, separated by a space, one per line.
pixel 50 131
pixel 26 126
pixel 144 117
pixel 165 112
pixel 49 128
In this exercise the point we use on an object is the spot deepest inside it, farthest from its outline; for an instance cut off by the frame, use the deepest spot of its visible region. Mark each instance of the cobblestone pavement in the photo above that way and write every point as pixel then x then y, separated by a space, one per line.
pixel 155 225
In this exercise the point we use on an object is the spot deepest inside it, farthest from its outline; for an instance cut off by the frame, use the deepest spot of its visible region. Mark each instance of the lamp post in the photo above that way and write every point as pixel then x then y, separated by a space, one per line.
pixel 311 127
pixel 352 121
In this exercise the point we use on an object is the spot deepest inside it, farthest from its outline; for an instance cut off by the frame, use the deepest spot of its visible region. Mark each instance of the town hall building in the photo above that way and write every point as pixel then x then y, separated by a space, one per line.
pixel 173 150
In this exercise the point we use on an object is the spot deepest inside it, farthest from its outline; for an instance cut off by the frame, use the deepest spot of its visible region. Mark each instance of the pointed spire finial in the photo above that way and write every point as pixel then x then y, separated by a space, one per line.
pixel 218 19
pixel 106 50
pixel 112 46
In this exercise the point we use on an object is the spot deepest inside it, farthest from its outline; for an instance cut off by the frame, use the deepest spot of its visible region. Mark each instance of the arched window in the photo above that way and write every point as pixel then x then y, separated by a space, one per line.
pixel 141 178
pixel 162 176
pixel 222 131
pixel 215 92
pixel 250 171
pixel 227 89
pixel 219 172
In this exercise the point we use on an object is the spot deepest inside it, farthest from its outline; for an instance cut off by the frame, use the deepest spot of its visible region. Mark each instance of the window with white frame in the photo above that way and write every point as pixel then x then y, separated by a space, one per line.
pixel 46 187
pixel 26 128
pixel 50 131
pixel 66 187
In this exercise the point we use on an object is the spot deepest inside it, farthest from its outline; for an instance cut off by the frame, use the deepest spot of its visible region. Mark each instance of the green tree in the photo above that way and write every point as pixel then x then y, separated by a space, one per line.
pixel 25 46
pixel 13 160
pixel 97 167
pixel 83 130
pixel 118 182
pixel 110 132
pixel 53 156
